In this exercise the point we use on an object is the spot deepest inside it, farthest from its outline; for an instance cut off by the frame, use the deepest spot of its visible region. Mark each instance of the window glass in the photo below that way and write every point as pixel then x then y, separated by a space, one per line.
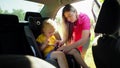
pixel 19 7
pixel 96 8
pixel 100 1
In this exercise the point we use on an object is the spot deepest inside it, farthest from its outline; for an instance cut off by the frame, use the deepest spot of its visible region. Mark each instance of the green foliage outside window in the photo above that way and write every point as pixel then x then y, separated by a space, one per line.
pixel 101 1
pixel 20 13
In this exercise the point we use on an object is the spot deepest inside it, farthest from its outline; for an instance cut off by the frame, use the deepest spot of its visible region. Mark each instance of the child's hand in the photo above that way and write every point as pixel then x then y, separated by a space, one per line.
pixel 56 46
pixel 46 41
pixel 56 42
pixel 60 43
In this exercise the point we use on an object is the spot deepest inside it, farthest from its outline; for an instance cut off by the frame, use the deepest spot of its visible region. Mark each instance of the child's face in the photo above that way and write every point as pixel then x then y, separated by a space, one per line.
pixel 49 32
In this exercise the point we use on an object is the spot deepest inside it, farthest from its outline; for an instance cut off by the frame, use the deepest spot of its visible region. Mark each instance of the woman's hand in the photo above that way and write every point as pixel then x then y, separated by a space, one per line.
pixel 65 49
pixel 61 43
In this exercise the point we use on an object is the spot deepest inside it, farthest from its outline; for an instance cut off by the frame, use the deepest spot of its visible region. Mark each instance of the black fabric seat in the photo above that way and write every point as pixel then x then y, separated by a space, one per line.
pixel 12 36
pixel 23 61
pixel 16 39
pixel 32 42
pixel 31 14
pixel 8 19
pixel 35 22
pixel 104 53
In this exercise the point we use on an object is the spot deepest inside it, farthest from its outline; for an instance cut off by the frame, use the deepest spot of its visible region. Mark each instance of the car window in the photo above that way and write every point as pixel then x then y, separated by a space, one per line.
pixel 100 1
pixel 96 8
pixel 19 7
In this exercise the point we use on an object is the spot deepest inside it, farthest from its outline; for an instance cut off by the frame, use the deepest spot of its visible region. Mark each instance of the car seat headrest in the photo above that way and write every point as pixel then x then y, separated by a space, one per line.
pixel 32 14
pixel 35 22
pixel 8 19
pixel 108 18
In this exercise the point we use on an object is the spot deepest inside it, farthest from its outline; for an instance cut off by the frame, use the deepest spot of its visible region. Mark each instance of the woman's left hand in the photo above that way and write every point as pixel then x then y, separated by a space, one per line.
pixel 65 48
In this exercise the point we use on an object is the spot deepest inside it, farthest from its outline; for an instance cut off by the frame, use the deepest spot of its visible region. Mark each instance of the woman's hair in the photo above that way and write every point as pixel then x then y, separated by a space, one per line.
pixel 47 25
pixel 68 8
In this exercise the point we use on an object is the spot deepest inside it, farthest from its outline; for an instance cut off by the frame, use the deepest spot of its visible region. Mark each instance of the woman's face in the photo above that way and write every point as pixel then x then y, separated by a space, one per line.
pixel 70 16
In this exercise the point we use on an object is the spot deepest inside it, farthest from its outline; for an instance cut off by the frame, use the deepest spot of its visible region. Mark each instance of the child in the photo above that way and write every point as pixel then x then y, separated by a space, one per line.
pixel 48 43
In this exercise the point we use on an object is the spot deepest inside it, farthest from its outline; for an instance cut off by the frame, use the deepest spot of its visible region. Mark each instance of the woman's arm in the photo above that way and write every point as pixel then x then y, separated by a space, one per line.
pixel 83 40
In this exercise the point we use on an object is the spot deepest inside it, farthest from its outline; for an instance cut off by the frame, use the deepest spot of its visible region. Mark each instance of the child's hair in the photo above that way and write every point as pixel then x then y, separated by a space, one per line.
pixel 48 25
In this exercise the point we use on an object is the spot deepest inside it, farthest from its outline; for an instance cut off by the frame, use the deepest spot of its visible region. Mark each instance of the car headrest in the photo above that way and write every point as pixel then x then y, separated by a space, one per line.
pixel 35 24
pixel 36 21
pixel 8 19
pixel 32 14
pixel 108 18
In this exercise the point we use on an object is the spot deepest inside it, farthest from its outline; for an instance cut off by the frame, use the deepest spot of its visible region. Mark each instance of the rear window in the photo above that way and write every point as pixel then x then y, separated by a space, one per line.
pixel 19 7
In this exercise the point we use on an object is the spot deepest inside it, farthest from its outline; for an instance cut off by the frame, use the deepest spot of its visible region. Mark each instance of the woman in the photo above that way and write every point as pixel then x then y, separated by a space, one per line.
pixel 78 26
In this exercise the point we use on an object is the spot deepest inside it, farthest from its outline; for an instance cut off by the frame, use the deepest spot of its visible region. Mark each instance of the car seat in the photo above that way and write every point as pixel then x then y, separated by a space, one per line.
pixel 35 22
pixel 23 61
pixel 35 27
pixel 16 38
pixel 12 36
pixel 104 53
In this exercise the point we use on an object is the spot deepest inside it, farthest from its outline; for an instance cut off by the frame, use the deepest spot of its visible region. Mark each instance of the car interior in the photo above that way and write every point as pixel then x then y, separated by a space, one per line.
pixel 19 49
pixel 106 52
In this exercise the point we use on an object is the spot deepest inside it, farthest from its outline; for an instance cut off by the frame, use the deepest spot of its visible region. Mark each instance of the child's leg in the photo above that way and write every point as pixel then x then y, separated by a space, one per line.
pixel 60 56
pixel 78 58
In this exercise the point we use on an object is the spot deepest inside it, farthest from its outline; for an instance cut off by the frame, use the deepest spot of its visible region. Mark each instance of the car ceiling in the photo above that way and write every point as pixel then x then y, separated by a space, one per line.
pixel 52 6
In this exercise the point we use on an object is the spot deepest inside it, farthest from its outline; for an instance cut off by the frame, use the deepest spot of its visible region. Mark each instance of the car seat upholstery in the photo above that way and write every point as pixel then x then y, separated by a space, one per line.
pixel 12 36
pixel 108 18
pixel 35 22
pixel 104 53
pixel 34 19
pixel 32 42
pixel 8 19
pixel 31 14
pixel 17 39
pixel 23 61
